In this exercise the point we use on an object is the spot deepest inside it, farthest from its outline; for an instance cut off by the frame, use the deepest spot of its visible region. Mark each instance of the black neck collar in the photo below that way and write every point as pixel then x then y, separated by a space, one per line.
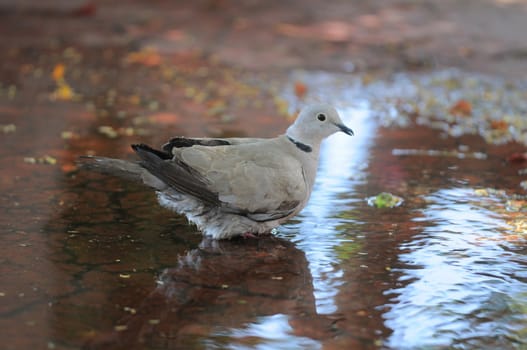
pixel 301 146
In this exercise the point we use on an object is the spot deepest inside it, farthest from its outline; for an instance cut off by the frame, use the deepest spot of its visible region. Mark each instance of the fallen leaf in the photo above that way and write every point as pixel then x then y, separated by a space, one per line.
pixel 164 118
pixel 41 160
pixel 134 99
pixel 216 107
pixel 385 200
pixel 461 108
pixel 68 135
pixel 333 31
pixel 58 72
pixel 86 10
pixel 68 168
pixel 282 106
pixel 49 160
pixel 482 192
pixel 108 131
pixel 147 56
pixel 11 92
pixel 8 128
pixel 131 310
pixel 126 131
pixel 499 125
pixel 300 89
pixel 63 92
pixel 174 35
pixel 516 205
pixel 517 157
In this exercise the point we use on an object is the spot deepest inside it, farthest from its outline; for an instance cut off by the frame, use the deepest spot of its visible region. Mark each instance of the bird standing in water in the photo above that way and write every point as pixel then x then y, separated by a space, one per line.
pixel 234 186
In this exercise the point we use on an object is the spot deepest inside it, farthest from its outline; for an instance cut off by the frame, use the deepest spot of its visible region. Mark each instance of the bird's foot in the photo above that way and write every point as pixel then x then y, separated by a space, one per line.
pixel 248 235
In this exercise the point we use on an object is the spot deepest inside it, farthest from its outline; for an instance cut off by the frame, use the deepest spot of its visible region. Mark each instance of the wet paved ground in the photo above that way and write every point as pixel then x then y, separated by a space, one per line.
pixel 89 261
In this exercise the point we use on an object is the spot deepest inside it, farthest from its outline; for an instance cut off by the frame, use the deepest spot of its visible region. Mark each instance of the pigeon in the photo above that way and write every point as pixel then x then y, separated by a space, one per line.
pixel 233 187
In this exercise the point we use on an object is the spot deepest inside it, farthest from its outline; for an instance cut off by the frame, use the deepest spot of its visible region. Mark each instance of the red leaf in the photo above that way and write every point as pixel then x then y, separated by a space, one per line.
pixel 300 89
pixel 499 125
pixel 517 158
pixel 461 108
pixel 87 10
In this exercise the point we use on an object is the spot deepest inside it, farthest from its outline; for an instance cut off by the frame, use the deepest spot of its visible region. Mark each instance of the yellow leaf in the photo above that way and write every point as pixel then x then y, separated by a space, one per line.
pixel 49 160
pixel 6 129
pixel 121 328
pixel 63 92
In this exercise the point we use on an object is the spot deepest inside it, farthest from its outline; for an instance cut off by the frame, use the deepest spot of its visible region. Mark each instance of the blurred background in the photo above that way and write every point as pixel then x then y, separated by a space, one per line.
pixel 414 237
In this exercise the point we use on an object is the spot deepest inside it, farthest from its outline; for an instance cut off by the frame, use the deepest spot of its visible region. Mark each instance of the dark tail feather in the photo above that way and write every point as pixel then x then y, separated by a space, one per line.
pixel 176 174
pixel 121 168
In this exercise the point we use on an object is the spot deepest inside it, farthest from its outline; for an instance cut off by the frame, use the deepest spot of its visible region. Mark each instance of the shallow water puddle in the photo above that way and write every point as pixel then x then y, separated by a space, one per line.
pixel 446 268
pixel 454 273
pixel 465 282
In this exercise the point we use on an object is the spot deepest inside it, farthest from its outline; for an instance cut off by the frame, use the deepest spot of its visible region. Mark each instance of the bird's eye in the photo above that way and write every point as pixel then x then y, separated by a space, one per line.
pixel 321 117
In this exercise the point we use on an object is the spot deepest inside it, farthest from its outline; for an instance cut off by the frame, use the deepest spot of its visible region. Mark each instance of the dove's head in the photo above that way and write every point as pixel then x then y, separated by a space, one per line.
pixel 315 123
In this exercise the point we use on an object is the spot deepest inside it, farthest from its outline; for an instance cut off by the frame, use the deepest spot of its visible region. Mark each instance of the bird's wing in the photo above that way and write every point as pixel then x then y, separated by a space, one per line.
pixel 181 142
pixel 257 179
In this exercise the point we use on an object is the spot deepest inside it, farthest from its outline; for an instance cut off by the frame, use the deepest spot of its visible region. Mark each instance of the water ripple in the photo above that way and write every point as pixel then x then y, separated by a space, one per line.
pixel 461 286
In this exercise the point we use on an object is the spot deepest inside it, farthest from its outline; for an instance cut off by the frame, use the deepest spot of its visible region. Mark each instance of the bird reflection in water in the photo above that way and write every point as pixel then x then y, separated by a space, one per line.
pixel 227 292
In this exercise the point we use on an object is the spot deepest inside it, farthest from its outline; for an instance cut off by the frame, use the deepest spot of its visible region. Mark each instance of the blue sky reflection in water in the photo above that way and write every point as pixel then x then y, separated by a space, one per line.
pixel 343 160
pixel 273 332
pixel 456 281
pixel 463 283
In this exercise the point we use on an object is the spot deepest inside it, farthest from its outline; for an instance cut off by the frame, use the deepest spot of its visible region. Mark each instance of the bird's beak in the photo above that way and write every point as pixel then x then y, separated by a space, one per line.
pixel 345 129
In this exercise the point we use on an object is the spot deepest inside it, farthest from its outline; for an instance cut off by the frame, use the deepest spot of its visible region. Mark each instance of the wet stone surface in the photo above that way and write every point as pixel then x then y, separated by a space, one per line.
pixel 90 261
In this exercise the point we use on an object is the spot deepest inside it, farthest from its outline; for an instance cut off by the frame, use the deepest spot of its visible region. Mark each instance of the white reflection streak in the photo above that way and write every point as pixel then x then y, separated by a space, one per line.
pixel 276 332
pixel 342 157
